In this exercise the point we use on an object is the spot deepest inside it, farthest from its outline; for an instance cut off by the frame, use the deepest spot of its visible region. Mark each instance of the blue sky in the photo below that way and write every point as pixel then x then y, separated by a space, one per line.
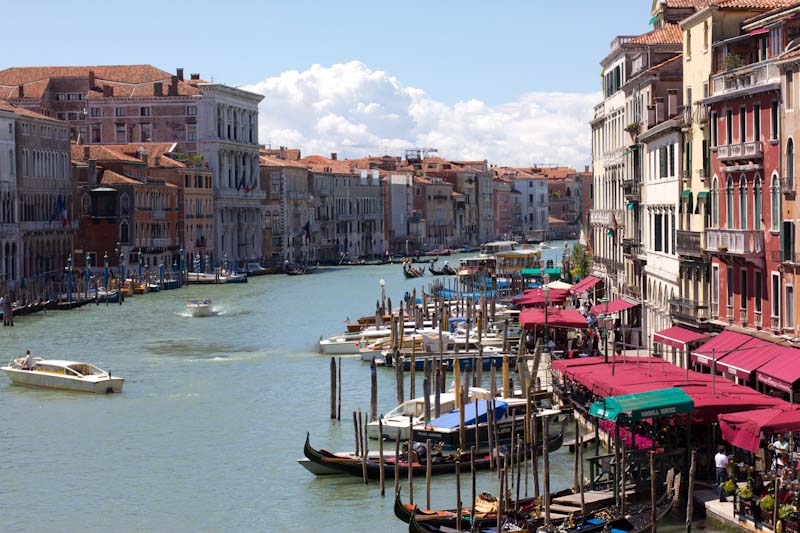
pixel 452 49
pixel 510 81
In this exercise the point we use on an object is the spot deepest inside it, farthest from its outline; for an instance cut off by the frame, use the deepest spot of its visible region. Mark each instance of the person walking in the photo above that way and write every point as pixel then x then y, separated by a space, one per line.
pixel 721 462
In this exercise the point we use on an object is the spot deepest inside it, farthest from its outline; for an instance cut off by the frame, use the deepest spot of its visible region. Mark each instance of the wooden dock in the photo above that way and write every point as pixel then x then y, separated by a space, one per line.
pixel 594 499
pixel 587 439
pixel 723 512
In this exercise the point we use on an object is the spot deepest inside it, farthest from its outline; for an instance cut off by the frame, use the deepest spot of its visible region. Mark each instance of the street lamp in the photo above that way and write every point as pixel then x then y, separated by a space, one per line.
pixel 88 272
pixel 69 280
pixel 382 283
pixel 141 264
pixel 105 273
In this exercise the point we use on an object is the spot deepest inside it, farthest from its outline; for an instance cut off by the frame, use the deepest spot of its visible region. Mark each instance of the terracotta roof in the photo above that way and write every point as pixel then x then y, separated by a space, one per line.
pixel 790 55
pixel 156 154
pixel 318 163
pixel 676 59
pixel 554 220
pixel 131 81
pixel 678 4
pixel 267 161
pixel 5 106
pixel 668 34
pixel 770 13
pixel 419 179
pixel 110 178
pixel 99 152
pixel 751 4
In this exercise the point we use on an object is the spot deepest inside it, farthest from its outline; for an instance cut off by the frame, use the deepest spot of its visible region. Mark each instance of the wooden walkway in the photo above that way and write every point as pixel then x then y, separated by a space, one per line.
pixel 594 499
pixel 587 439
pixel 723 512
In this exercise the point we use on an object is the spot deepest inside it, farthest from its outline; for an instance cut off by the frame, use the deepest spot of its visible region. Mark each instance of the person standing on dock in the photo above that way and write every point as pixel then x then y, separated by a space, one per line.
pixel 781 448
pixel 721 461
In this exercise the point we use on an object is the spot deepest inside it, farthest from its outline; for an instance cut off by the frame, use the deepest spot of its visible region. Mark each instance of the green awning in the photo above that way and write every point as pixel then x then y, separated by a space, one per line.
pixel 631 205
pixel 528 272
pixel 552 272
pixel 686 193
pixel 702 194
pixel 653 20
pixel 631 149
pixel 702 197
pixel 635 407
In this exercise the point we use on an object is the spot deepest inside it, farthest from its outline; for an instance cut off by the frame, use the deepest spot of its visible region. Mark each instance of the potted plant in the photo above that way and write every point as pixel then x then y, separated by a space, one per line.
pixel 729 487
pixel 745 502
pixel 787 514
pixel 722 248
pixel 767 505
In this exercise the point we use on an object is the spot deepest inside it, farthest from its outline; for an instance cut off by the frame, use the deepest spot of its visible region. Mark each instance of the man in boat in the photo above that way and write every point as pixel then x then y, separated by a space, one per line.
pixel 27 363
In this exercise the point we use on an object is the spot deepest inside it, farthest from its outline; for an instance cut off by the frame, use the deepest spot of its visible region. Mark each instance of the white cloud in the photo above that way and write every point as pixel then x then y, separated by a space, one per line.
pixel 354 110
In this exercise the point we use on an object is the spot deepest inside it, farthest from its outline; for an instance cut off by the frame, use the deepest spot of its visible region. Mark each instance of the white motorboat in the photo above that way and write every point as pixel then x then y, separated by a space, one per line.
pixel 396 423
pixel 255 269
pixel 60 374
pixel 199 306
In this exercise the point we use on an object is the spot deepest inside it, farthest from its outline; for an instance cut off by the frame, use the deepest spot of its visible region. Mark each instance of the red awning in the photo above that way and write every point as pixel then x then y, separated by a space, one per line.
pixel 744 429
pixel 556 318
pixel 614 306
pixel 747 358
pixel 712 396
pixel 719 347
pixel 536 298
pixel 759 31
pixel 585 284
pixel 783 371
pixel 678 337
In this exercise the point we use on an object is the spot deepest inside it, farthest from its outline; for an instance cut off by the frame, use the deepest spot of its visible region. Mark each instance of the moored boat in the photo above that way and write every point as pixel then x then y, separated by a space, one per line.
pixel 62 374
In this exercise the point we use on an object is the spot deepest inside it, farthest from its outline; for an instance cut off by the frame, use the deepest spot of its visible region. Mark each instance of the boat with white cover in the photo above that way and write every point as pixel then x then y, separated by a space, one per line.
pixel 199 306
pixel 61 374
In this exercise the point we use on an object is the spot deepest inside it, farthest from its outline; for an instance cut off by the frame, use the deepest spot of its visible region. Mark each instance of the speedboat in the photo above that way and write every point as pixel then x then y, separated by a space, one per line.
pixel 255 269
pixel 60 374
pixel 199 306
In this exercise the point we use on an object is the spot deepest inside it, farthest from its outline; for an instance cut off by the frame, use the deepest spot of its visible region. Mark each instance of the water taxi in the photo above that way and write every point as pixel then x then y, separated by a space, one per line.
pixel 60 374
pixel 199 306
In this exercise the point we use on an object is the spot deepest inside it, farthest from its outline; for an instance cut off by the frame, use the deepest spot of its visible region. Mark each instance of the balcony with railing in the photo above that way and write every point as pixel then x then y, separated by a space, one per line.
pixel 606 217
pixel 741 242
pixel 785 256
pixel 690 242
pixel 599 110
pixel 700 113
pixel 746 78
pixel 631 247
pixel 787 185
pixel 743 317
pixel 685 114
pixel 747 150
pixel 688 310
pixel 757 321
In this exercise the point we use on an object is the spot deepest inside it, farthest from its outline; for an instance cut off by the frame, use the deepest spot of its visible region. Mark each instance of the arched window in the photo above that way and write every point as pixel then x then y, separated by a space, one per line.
pixel 715 202
pixel 729 202
pixel 125 204
pixel 757 202
pixel 743 202
pixel 790 162
pixel 775 191
pixel 86 205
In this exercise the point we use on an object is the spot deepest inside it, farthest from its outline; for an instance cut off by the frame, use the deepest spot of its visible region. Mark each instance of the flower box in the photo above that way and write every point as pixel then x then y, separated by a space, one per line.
pixel 791 524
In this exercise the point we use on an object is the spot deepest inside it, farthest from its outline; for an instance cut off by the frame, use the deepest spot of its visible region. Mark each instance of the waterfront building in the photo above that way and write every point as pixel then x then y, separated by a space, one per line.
pixel 349 209
pixel 43 193
pixel 503 213
pixel 743 238
pixel 404 224
pixel 288 214
pixel 434 200
pixel 140 103
pixel 9 226
pixel 564 202
pixel 123 210
pixel 534 200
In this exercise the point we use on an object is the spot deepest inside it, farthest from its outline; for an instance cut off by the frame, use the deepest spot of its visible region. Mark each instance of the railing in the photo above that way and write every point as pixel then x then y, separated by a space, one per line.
pixel 729 308
pixel 714 310
pixel 606 217
pixel 152 243
pixel 685 112
pixel 747 77
pixel 159 215
pixel 634 291
pixel 701 113
pixel 785 256
pixel 689 310
pixel 775 323
pixel 735 241
pixel 686 173
pixel 757 319
pixel 753 149
pixel 631 246
pixel 702 173
pixel 787 185
pixel 743 316
pixel 689 242
pixel 599 110
pixel 620 40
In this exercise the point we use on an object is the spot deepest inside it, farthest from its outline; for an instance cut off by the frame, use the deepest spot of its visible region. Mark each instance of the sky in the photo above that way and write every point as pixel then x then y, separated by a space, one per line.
pixel 511 81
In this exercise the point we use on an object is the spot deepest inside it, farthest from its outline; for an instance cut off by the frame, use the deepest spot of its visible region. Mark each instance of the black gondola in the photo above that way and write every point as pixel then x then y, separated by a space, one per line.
pixel 412 272
pixel 328 462
pixel 637 519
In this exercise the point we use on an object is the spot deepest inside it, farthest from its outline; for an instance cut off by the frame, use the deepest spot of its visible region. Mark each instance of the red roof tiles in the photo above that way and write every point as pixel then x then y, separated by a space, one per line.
pixel 668 34
pixel 5 106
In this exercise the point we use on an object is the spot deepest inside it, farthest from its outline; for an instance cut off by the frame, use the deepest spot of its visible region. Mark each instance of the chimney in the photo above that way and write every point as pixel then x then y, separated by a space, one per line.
pixel 659 110
pixel 108 91
pixel 179 73
pixel 173 87
pixel 21 90
pixel 86 152
pixel 333 156
pixel 586 168
pixel 92 80
pixel 158 89
pixel 195 76
pixel 672 102
pixel 92 173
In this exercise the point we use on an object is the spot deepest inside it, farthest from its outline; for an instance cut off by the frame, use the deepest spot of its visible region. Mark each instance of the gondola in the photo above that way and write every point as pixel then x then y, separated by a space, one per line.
pixel 637 519
pixel 447 517
pixel 410 272
pixel 446 270
pixel 324 462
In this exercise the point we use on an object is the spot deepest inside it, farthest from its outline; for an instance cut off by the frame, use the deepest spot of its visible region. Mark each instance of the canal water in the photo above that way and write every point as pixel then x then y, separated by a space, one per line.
pixel 215 410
